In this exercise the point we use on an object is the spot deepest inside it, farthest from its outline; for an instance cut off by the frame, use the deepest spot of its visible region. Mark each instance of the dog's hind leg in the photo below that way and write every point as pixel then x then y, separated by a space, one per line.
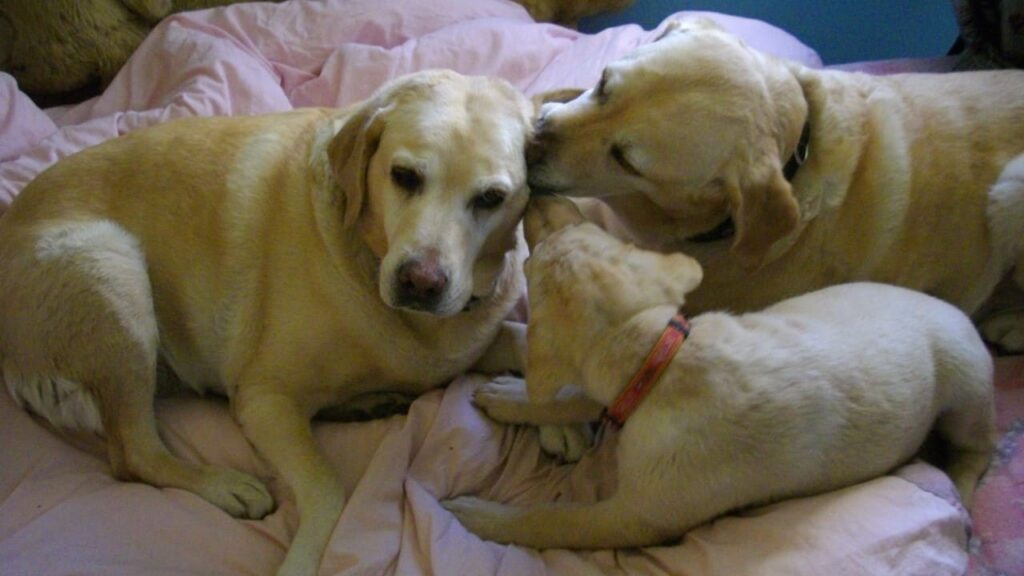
pixel 970 434
pixel 968 426
pixel 78 311
pixel 613 523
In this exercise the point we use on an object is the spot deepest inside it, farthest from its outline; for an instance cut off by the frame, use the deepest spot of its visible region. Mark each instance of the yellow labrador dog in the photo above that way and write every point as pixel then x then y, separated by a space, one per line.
pixel 781 179
pixel 288 261
pixel 751 408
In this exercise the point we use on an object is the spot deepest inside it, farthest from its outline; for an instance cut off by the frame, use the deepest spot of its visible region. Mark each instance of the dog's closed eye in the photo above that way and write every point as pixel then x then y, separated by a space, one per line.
pixel 408 179
pixel 618 154
pixel 489 199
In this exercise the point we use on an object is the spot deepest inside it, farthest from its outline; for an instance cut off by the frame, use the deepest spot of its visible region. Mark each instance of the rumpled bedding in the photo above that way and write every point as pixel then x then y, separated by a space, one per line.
pixel 61 512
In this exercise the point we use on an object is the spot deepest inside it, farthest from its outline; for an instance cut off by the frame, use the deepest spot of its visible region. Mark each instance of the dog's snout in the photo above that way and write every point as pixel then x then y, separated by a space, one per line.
pixel 421 281
pixel 538 147
pixel 540 125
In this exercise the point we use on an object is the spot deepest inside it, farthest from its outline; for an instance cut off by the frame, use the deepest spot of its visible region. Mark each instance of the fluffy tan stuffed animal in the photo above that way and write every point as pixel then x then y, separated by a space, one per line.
pixel 569 12
pixel 60 46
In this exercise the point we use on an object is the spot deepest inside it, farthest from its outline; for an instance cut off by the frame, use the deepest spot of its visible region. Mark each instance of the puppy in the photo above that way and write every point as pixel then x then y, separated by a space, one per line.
pixel 780 179
pixel 289 262
pixel 814 393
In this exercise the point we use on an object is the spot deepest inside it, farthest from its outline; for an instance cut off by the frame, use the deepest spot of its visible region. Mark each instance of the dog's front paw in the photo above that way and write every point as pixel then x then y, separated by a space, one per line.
pixel 237 493
pixel 486 519
pixel 504 399
pixel 1005 330
pixel 567 443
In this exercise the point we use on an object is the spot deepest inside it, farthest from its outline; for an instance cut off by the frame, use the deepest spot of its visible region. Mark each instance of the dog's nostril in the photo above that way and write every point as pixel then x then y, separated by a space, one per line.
pixel 422 280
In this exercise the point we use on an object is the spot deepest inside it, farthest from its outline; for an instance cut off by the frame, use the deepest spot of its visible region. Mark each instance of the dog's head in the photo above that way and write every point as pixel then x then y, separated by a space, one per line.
pixel 576 270
pixel 430 171
pixel 697 122
pixel 583 281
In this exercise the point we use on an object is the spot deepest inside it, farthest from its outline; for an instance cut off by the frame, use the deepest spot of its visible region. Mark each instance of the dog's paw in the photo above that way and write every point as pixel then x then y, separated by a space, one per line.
pixel 1005 330
pixel 503 399
pixel 567 443
pixel 237 493
pixel 484 518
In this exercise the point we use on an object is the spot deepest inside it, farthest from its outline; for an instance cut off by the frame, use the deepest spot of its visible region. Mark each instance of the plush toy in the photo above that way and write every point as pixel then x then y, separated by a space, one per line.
pixel 61 46
pixel 569 12
pixel 73 48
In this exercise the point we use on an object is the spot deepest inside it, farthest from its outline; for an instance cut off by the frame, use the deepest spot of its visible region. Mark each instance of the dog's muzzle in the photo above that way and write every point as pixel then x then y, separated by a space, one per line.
pixel 539 144
pixel 421 283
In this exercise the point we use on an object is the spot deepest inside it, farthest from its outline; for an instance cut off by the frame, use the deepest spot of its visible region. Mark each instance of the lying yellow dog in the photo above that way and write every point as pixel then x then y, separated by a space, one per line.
pixel 289 262
pixel 782 179
pixel 750 408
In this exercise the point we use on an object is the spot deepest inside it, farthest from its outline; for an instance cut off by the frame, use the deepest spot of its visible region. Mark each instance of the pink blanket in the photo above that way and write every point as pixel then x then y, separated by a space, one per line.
pixel 262 57
pixel 62 513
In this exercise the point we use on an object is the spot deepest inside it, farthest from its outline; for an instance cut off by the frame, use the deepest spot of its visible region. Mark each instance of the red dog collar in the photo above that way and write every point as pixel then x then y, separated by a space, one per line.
pixel 643 381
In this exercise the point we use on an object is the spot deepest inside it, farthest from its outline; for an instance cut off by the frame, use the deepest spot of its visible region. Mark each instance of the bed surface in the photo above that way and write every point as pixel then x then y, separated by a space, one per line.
pixel 62 513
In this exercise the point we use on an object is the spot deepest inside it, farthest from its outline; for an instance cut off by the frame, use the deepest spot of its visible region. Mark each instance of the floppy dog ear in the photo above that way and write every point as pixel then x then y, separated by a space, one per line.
pixel 764 211
pixel 350 154
pixel 679 275
pixel 546 215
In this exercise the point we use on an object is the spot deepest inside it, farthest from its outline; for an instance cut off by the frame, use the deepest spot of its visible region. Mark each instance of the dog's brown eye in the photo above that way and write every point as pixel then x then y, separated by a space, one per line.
pixel 407 179
pixel 489 200
pixel 619 155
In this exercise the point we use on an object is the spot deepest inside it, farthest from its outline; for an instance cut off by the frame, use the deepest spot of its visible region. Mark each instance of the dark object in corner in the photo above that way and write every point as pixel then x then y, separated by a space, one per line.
pixel 991 34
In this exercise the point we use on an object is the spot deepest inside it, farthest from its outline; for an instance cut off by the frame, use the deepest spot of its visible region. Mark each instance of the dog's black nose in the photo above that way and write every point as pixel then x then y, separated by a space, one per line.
pixel 421 282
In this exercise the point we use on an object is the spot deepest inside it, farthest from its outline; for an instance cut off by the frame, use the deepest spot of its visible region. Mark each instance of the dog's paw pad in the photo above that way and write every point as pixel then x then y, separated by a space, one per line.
pixel 237 493
pixel 567 443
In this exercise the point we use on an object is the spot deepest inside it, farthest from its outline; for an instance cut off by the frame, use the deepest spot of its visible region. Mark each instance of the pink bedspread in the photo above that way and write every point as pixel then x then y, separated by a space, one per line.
pixel 62 513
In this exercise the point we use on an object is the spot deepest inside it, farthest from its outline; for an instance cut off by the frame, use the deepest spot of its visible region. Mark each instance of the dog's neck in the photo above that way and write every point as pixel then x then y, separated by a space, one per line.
pixel 837 116
pixel 611 357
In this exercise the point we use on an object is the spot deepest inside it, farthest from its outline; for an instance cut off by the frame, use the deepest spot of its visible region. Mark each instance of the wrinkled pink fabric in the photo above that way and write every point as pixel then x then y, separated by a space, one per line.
pixel 62 513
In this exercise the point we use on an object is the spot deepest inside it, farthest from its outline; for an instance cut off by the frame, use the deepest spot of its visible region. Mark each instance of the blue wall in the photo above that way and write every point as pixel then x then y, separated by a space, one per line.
pixel 840 30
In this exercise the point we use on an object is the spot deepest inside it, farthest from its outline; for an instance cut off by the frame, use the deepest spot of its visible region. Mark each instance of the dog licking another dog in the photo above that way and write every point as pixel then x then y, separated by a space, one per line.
pixel 789 187
pixel 294 261
pixel 781 179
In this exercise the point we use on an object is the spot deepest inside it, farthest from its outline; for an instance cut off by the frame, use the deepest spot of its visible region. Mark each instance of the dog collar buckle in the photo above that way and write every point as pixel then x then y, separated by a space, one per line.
pixel 654 365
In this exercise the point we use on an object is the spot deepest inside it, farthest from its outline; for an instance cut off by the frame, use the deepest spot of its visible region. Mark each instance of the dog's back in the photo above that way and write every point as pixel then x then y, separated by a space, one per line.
pixel 893 364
